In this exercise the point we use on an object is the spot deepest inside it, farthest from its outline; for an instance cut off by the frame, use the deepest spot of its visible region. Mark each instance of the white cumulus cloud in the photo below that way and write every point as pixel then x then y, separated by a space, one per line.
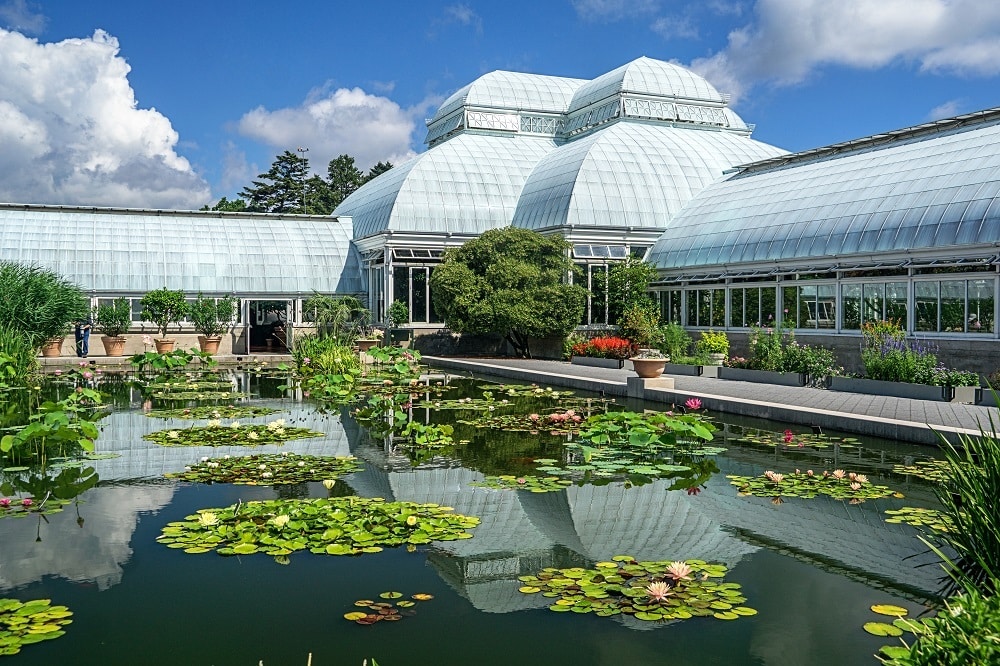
pixel 948 109
pixel 368 127
pixel 788 39
pixel 614 10
pixel 72 132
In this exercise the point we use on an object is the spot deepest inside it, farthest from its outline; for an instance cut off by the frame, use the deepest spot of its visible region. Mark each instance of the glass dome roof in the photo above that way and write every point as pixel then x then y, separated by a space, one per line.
pixel 111 251
pixel 889 193
pixel 630 174
pixel 513 91
pixel 466 185
pixel 646 76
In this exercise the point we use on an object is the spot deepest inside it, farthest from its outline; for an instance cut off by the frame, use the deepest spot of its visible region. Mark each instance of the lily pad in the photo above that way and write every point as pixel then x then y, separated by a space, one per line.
pixel 882 629
pixel 889 609
pixel 25 623
pixel 269 469
pixel 234 434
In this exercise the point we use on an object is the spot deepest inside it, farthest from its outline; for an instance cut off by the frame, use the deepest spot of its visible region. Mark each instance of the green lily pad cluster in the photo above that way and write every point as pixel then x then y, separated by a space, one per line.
pixel 212 412
pixel 651 591
pixel 525 391
pixel 807 485
pixel 389 387
pixel 935 471
pixel 937 521
pixel 20 507
pixel 532 423
pixel 332 526
pixel 234 434
pixel 198 395
pixel 897 628
pixel 269 469
pixel 383 611
pixel 535 484
pixel 26 622
pixel 796 440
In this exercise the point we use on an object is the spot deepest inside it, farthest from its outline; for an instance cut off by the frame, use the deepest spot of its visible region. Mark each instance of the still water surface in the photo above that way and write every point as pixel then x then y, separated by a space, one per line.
pixel 811 568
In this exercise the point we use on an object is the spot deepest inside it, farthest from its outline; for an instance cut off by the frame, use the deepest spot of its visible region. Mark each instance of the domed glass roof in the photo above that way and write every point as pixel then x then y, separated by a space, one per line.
pixel 630 174
pixel 467 185
pixel 879 195
pixel 645 76
pixel 513 91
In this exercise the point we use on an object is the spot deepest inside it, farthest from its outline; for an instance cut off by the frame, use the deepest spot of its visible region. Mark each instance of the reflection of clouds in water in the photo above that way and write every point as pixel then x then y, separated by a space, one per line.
pixel 121 433
pixel 95 552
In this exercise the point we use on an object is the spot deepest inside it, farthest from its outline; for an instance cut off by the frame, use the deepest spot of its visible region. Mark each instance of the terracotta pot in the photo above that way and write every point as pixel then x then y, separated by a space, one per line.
pixel 648 368
pixel 114 346
pixel 163 346
pixel 365 345
pixel 52 348
pixel 209 343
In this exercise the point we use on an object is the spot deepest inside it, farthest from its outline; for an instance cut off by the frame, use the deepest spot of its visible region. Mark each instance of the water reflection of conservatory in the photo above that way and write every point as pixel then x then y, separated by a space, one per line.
pixel 604 163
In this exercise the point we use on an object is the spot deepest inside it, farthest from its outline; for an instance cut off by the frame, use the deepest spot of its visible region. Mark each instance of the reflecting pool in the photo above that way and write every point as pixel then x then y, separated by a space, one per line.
pixel 811 568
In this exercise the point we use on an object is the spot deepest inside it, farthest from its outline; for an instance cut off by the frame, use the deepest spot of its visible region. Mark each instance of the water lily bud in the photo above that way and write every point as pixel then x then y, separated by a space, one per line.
pixel 329 483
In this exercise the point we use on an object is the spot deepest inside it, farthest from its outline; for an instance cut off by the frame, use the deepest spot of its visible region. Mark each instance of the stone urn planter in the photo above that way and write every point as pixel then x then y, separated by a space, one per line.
pixel 52 348
pixel 164 346
pixel 209 343
pixel 648 368
pixel 716 358
pixel 114 345
pixel 365 345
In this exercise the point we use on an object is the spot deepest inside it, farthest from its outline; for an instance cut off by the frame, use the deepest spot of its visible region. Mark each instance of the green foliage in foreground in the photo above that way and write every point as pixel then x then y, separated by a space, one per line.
pixel 270 469
pixel 336 526
pixel 965 632
pixel 234 434
pixel 510 282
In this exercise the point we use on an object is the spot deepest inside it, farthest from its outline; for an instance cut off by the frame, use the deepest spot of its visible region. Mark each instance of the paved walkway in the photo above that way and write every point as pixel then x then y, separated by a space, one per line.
pixel 881 416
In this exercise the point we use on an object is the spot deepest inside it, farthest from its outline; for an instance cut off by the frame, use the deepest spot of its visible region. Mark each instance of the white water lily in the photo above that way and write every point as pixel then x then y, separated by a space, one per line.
pixel 234 424
pixel 173 434
pixel 281 520
pixel 261 466
pixel 208 519
pixel 266 475
pixel 214 423
pixel 279 431
pixel 329 483
pixel 252 435
pixel 204 458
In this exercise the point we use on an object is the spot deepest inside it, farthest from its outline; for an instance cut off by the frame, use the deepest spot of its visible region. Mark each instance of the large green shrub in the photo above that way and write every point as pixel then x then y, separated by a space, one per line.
pixel 114 319
pixel 675 342
pixel 210 316
pixel 628 286
pixel 38 303
pixel 640 323
pixel 164 307
pixel 712 342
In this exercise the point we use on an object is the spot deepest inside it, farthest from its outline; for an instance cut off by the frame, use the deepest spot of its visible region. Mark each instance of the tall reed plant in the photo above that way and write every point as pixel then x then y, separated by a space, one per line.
pixel 38 303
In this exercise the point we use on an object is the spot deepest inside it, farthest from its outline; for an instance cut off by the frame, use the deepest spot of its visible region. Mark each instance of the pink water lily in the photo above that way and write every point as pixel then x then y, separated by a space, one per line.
pixel 26 502
pixel 4 502
pixel 658 591
pixel 839 474
pixel 679 570
pixel 692 403
pixel 789 436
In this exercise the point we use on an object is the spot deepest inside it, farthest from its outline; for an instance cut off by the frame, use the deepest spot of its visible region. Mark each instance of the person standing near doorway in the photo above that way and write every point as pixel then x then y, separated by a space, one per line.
pixel 82 334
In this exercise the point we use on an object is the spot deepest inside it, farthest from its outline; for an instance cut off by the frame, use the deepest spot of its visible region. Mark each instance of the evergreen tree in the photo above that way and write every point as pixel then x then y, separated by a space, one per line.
pixel 343 178
pixel 280 189
pixel 378 170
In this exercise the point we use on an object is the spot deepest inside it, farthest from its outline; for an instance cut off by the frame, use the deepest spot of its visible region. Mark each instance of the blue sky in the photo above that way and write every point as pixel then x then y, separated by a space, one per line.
pixel 174 104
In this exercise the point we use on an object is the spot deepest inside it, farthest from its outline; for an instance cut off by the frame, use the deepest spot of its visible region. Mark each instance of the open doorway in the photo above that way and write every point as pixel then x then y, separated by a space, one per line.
pixel 269 327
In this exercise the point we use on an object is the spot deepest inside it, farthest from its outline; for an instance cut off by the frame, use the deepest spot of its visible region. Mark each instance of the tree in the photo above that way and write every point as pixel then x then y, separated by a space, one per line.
pixel 628 287
pixel 279 190
pixel 378 170
pixel 512 282
pixel 343 178
pixel 235 206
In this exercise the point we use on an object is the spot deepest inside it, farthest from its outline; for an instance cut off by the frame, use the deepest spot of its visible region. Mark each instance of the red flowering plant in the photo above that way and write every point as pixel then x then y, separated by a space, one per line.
pixel 605 347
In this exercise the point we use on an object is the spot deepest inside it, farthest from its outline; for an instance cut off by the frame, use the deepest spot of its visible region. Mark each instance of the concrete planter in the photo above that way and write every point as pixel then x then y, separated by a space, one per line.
pixel 894 389
pixel 593 362
pixel 986 398
pixel 683 370
pixel 763 376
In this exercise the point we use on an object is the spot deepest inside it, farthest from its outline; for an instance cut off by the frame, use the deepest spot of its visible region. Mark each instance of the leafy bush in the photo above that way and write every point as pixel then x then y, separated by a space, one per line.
pixel 38 303
pixel 605 346
pixel 324 355
pixel 674 340
pixel 888 356
pixel 712 342
pixel 571 341
pixel 640 323
pixel 628 287
pixel 115 319
pixel 211 317
pixel 399 314
pixel 163 307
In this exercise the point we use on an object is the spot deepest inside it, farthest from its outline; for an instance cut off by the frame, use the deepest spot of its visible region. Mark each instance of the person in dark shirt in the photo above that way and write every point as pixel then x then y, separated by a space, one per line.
pixel 82 334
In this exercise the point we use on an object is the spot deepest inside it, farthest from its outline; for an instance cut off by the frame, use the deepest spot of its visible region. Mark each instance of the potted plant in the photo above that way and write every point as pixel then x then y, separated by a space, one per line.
pixel 649 363
pixel 164 307
pixel 713 343
pixel 211 317
pixel 113 321
pixel 53 346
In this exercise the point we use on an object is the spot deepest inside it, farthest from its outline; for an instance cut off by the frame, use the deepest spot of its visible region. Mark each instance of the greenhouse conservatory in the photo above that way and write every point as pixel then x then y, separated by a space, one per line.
pixel 646 160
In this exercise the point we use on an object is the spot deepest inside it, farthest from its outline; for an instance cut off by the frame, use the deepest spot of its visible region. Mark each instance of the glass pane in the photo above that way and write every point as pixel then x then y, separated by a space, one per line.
pixel 981 306
pixel 953 306
pixel 435 318
pixel 895 302
pixel 675 306
pixel 599 295
pixel 874 296
pixel 851 300
pixel 418 309
pixel 826 306
pixel 789 298
pixel 768 306
pixel 719 307
pixel 737 316
pixel 925 295
pixel 704 307
pixel 806 307
pixel 401 286
pixel 692 307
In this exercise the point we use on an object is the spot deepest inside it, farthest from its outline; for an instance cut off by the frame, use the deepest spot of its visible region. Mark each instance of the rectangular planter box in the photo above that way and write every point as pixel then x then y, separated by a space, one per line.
pixel 985 397
pixel 615 363
pixel 763 376
pixel 895 389
pixel 683 369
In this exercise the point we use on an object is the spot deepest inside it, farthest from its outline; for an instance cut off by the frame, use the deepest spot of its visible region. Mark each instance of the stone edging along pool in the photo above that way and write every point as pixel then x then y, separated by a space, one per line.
pixel 861 424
